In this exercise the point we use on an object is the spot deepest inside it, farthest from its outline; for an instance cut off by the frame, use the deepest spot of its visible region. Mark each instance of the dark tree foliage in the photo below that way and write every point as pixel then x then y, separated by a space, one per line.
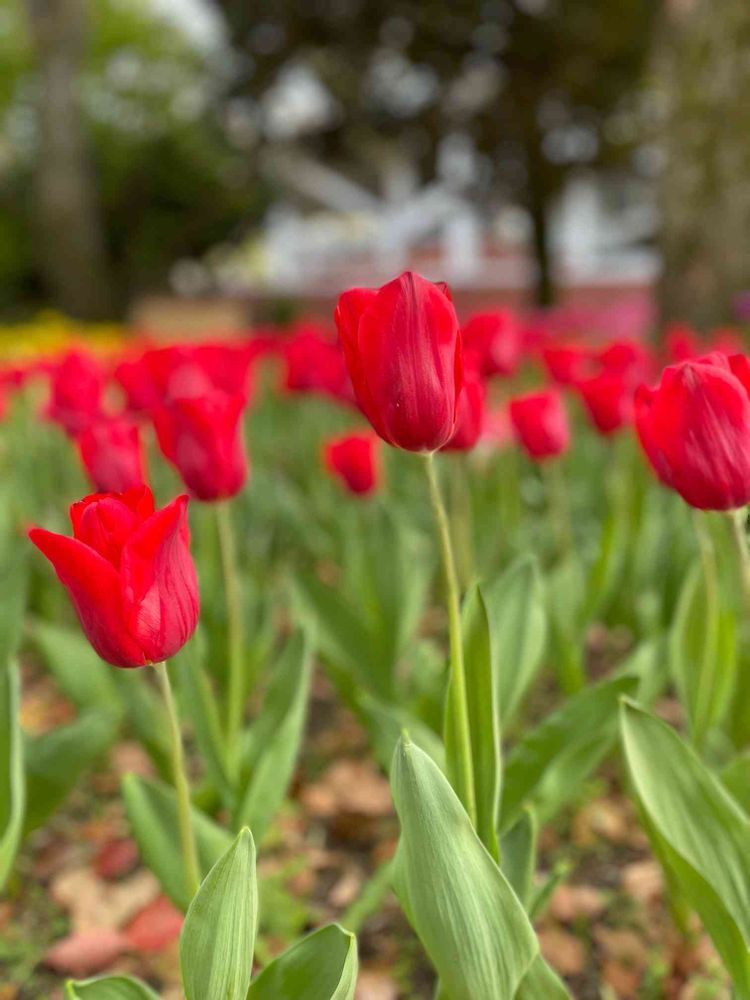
pixel 534 84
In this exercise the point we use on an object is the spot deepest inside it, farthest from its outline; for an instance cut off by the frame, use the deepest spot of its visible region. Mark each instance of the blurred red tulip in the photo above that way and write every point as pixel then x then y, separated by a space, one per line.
pixel 354 459
pixel 202 437
pixel 470 419
pixel 315 363
pixel 681 342
pixel 112 454
pixel 695 430
pixel 129 573
pixel 540 423
pixel 496 338
pixel 403 349
pixel 77 383
pixel 608 398
pixel 568 363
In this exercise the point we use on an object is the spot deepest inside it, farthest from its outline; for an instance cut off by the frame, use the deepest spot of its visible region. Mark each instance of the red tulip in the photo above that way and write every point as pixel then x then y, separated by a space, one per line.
pixel 568 363
pixel 315 363
pixel 470 419
pixel 77 383
pixel 202 437
pixel 496 339
pixel 403 349
pixel 112 454
pixel 695 430
pixel 354 459
pixel 608 398
pixel 540 423
pixel 129 573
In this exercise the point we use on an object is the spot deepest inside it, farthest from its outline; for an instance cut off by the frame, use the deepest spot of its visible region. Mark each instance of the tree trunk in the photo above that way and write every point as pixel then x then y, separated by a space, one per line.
pixel 703 72
pixel 69 239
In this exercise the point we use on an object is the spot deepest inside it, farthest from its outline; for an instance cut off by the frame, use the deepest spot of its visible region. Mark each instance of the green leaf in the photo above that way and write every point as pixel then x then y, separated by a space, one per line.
pixel 55 761
pixel 385 723
pixel 703 652
pixel 322 966
pixel 109 988
pixel 12 782
pixel 152 810
pixel 518 626
pixel 218 936
pixel 14 578
pixel 276 736
pixel 518 852
pixel 484 724
pixel 549 763
pixel 201 708
pixel 705 832
pixel 81 674
pixel 541 983
pixel 459 902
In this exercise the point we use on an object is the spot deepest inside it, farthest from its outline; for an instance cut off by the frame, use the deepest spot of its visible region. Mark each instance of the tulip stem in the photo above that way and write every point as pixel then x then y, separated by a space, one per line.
pixel 705 697
pixel 738 520
pixel 235 686
pixel 181 786
pixel 457 686
pixel 461 513
pixel 559 505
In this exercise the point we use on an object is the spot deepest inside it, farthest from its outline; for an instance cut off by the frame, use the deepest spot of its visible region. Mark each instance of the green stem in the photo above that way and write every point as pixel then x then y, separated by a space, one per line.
pixel 462 519
pixel 457 684
pixel 737 520
pixel 706 677
pixel 559 505
pixel 181 786
pixel 235 639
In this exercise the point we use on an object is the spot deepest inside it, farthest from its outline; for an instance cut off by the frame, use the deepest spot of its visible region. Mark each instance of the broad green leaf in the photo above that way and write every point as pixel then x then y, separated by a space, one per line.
pixel 218 936
pixel 518 629
pixel 541 983
pixel 549 763
pixel 55 761
pixel 276 736
pixel 705 832
pixel 12 781
pixel 468 918
pixel 80 673
pixel 736 778
pixel 323 966
pixel 109 988
pixel 518 853
pixel 703 652
pixel 483 718
pixel 152 810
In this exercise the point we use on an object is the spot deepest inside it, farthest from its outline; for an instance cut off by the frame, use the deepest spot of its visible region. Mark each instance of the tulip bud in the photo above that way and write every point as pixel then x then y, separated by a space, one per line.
pixel 403 350
pixel 495 337
pixel 129 573
pixel 608 398
pixel 112 454
pixel 695 430
pixel 202 437
pixel 540 423
pixel 354 459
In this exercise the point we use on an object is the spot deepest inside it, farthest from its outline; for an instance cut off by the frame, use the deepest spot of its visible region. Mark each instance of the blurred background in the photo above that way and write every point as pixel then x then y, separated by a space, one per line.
pixel 254 158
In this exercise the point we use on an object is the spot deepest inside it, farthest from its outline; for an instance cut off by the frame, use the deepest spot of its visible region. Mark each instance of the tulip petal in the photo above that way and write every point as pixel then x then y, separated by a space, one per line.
pixel 159 582
pixel 94 587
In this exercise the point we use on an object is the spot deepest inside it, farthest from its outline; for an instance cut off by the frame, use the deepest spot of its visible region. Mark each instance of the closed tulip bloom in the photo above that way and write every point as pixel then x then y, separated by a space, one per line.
pixel 315 363
pixel 202 437
pixel 112 454
pixel 403 350
pixel 495 336
pixel 354 460
pixel 76 391
pixel 608 398
pixel 129 573
pixel 470 419
pixel 540 423
pixel 695 430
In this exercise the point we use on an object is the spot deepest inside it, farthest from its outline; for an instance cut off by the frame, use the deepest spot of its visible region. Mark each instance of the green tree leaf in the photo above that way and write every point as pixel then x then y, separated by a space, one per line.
pixel 218 936
pixel 322 966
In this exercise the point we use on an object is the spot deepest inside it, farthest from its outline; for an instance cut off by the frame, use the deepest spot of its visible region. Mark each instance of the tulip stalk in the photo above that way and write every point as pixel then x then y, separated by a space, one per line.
pixel 457 687
pixel 181 785
pixel 235 686
pixel 711 580
pixel 738 520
